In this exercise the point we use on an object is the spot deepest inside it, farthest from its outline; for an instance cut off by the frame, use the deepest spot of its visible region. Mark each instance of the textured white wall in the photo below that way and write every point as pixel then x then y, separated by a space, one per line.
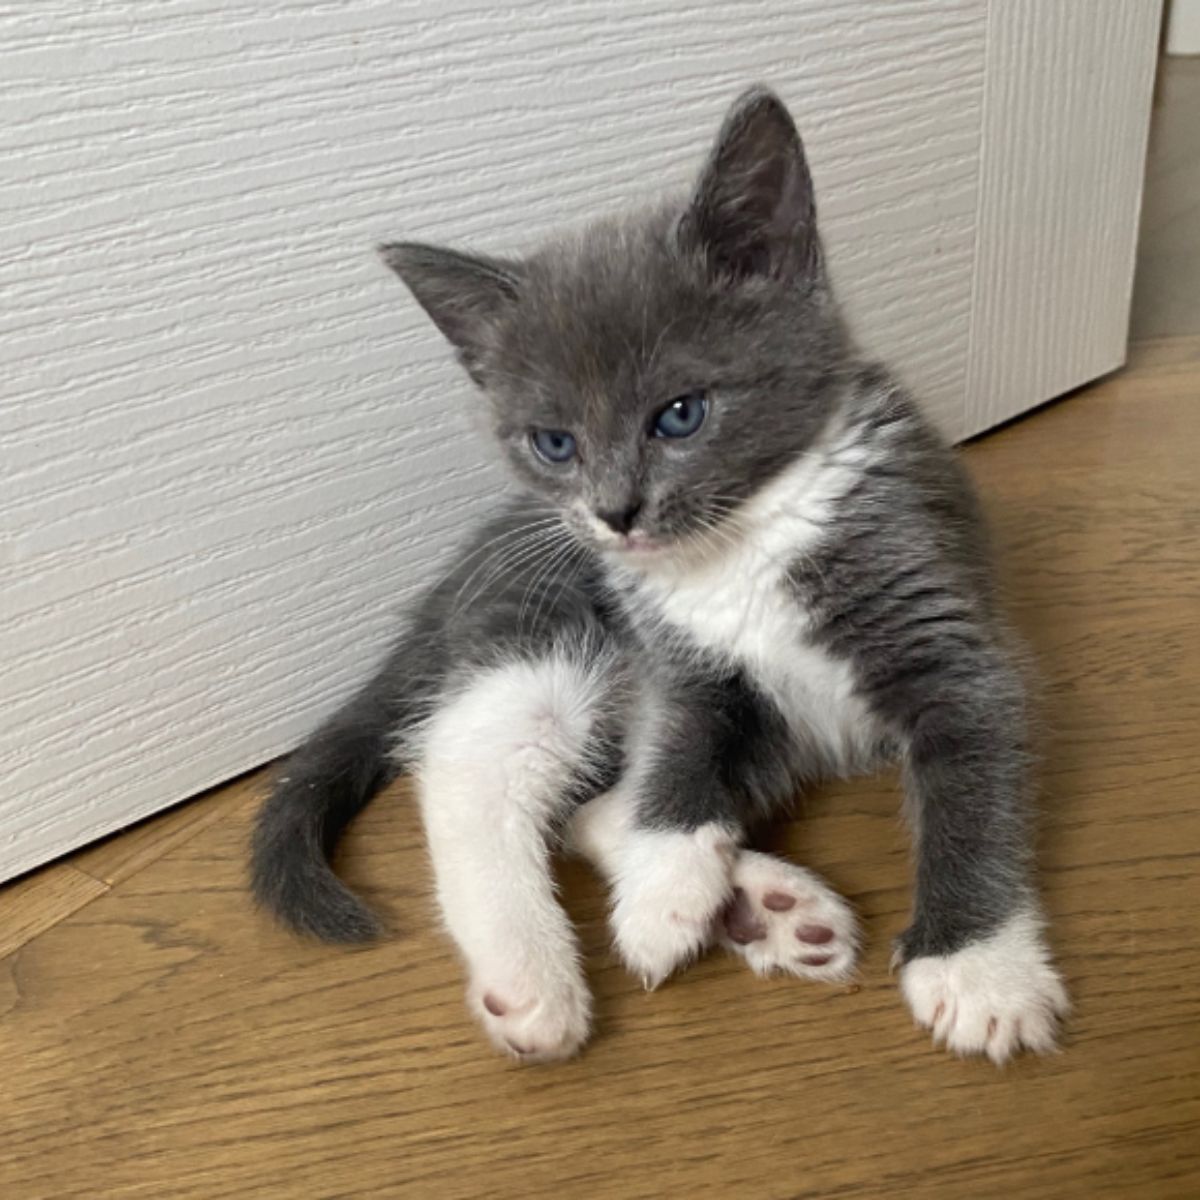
pixel 229 444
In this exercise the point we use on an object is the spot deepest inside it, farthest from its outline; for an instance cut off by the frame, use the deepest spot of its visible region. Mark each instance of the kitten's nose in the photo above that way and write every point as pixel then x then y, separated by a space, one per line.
pixel 621 519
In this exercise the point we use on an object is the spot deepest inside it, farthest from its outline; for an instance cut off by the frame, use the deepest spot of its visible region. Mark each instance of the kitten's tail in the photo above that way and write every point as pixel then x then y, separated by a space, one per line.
pixel 325 784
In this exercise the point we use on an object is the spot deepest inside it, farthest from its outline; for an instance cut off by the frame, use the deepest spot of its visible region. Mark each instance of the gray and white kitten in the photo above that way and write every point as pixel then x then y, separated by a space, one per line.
pixel 741 561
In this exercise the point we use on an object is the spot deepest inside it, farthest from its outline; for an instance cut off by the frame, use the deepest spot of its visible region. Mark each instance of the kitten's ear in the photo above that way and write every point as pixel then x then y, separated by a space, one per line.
pixel 753 211
pixel 464 294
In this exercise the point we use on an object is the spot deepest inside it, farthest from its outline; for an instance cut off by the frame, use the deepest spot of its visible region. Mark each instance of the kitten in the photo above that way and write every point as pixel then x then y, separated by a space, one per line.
pixel 740 561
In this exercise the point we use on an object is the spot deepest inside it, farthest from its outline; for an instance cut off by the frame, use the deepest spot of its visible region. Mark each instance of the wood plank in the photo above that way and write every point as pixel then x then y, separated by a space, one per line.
pixel 131 850
pixel 32 905
pixel 167 1041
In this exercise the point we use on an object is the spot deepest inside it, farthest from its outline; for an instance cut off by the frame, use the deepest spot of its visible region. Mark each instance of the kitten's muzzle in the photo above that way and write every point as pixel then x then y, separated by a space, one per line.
pixel 620 520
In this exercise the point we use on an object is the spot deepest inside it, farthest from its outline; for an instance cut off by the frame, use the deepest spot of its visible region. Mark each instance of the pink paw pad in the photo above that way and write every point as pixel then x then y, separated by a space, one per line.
pixel 551 1024
pixel 783 918
pixel 742 923
pixel 814 935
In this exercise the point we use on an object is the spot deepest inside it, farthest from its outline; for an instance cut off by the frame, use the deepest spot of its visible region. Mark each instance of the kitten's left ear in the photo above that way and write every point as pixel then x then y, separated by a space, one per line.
pixel 464 294
pixel 753 211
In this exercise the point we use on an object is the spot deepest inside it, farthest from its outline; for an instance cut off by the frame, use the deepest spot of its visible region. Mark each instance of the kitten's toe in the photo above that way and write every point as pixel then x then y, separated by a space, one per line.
pixel 784 918
pixel 654 942
pixel 533 1023
pixel 668 896
pixel 995 996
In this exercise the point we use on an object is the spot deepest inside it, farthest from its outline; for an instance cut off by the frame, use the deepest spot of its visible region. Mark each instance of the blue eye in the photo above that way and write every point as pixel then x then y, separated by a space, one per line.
pixel 682 417
pixel 553 445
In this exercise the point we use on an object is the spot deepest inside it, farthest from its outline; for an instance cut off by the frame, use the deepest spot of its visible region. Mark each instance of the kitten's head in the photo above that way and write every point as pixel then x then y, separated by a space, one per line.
pixel 647 376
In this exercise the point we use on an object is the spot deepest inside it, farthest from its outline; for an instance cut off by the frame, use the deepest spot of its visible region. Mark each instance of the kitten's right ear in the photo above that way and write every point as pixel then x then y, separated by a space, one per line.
pixel 464 294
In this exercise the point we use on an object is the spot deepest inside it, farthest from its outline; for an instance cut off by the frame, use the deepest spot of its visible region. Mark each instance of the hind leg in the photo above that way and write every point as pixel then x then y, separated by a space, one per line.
pixel 497 765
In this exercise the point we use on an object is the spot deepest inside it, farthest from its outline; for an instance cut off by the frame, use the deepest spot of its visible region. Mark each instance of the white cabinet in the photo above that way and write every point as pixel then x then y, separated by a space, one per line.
pixel 230 445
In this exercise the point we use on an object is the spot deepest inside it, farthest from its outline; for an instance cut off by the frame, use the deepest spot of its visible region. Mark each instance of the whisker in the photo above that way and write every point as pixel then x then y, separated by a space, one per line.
pixel 510 540
pixel 516 558
pixel 576 556
pixel 543 571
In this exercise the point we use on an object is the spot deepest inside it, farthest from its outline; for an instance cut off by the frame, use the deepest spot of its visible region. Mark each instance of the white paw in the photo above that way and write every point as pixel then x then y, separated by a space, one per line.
pixel 669 890
pixel 784 918
pixel 993 997
pixel 533 1022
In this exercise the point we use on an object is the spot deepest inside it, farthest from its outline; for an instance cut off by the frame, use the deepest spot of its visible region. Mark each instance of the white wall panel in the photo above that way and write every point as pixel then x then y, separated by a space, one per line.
pixel 1067 113
pixel 229 445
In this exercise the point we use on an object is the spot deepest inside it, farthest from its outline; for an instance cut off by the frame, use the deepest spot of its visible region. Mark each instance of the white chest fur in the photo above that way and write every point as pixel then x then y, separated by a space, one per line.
pixel 737 605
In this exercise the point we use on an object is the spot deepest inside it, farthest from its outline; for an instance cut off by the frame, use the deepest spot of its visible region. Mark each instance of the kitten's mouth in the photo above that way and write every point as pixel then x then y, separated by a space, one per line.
pixel 637 544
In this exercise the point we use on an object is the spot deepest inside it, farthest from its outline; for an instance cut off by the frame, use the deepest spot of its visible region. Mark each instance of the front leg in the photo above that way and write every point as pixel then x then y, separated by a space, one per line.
pixel 668 834
pixel 670 885
pixel 706 756
pixel 976 970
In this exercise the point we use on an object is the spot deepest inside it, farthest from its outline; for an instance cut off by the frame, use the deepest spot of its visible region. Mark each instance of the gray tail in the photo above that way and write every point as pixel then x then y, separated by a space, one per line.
pixel 320 790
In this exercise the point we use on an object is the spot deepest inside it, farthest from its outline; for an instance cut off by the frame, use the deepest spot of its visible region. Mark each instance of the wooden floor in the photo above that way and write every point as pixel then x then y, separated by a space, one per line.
pixel 161 1039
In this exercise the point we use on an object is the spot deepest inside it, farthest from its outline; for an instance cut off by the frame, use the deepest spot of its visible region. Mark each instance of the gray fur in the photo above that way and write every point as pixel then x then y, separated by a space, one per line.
pixel 725 292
